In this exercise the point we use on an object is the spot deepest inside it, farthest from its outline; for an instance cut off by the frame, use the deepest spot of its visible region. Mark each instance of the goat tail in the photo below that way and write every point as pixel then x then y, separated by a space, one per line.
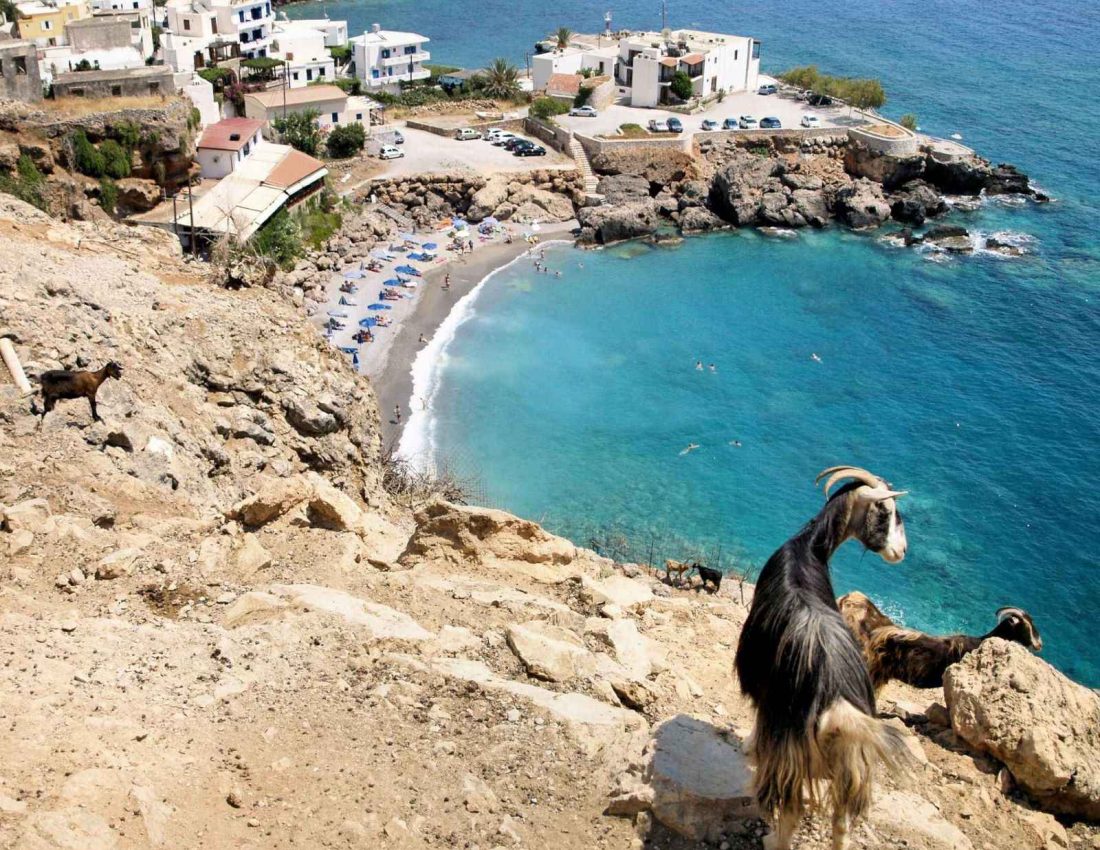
pixel 850 744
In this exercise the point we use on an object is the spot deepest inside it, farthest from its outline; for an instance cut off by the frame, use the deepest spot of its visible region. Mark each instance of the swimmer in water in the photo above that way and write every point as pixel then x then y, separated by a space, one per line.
pixel 713 368
pixel 698 365
pixel 690 448
pixel 815 357
pixel 736 443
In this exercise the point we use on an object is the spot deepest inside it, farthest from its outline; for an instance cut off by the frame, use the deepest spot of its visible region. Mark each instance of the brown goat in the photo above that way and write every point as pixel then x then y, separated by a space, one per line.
pixel 678 567
pixel 62 383
pixel 916 658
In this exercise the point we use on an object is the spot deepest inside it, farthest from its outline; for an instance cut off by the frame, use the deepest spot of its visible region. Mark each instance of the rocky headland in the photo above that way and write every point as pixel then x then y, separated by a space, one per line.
pixel 223 625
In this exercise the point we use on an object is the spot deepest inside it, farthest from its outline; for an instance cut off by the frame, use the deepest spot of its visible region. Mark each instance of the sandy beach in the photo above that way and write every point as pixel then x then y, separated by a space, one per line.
pixel 424 306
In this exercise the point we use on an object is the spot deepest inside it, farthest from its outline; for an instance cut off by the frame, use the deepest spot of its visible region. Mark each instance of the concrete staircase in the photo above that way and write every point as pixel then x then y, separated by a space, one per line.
pixel 591 181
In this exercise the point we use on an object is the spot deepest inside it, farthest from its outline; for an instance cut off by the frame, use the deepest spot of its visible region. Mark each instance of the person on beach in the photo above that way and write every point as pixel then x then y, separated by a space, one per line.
pixel 422 340
pixel 397 413
pixel 447 281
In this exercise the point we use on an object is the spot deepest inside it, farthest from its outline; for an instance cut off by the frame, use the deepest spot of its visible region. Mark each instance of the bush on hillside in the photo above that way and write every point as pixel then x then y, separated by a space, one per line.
pixel 858 92
pixel 299 129
pixel 116 160
pixel 346 140
pixel 86 157
pixel 548 107
pixel 108 195
pixel 279 240
pixel 908 121
pixel 27 183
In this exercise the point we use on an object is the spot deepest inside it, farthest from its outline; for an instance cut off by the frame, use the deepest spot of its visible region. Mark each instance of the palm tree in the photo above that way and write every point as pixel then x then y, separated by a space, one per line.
pixel 501 79
pixel 564 35
pixel 8 11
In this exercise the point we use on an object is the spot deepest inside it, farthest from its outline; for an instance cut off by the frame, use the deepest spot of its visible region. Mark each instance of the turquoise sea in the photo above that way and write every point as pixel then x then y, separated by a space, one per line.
pixel 974 382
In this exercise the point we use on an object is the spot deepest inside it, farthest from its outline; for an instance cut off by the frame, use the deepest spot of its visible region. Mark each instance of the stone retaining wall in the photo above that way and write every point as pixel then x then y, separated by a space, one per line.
pixel 512 125
pixel 557 137
pixel 904 146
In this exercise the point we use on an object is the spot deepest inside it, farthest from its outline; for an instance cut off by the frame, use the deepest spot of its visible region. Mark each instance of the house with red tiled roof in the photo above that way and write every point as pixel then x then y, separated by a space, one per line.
pixel 226 144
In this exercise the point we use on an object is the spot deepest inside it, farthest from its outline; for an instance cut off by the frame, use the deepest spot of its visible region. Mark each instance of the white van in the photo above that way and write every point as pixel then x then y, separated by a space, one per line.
pixel 466 134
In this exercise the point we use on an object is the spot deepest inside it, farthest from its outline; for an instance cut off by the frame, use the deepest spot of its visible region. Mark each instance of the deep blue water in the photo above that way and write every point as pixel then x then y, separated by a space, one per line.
pixel 974 383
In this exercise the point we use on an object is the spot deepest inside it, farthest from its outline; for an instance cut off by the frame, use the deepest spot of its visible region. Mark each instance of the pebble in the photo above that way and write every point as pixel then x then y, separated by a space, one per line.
pixel 234 799
pixel 68 627
pixel 513 715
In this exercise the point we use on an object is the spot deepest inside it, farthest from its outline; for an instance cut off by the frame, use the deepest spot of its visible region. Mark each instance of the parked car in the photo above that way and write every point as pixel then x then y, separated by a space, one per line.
pixel 492 133
pixel 656 125
pixel 771 123
pixel 529 150
pixel 811 121
pixel 583 111
pixel 398 139
pixel 466 134
pixel 819 100
pixel 510 144
pixel 767 88
pixel 730 124
pixel 747 122
pixel 390 152
pixel 674 125
pixel 709 124
pixel 501 139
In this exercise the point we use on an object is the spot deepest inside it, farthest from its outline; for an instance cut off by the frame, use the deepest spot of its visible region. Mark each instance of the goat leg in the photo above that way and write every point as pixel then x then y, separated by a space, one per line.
pixel 95 413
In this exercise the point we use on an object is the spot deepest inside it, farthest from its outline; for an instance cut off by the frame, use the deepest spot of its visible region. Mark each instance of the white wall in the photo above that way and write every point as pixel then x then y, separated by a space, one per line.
pixel 216 164
pixel 544 65
pixel 201 94
pixel 646 89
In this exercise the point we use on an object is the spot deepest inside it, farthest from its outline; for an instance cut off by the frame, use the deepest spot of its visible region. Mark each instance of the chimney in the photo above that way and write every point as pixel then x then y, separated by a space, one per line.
pixel 376 28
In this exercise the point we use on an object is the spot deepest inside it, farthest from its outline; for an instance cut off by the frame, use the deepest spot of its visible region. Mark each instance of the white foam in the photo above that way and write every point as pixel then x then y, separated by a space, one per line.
pixel 418 438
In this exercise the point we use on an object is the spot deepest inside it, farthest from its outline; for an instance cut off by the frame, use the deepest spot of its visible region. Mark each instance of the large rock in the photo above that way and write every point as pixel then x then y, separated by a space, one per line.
pixel 861 205
pixel 958 177
pixel 1045 728
pixel 615 590
pixel 137 196
pixel 623 188
pixel 273 499
pixel 332 509
pixel 311 419
pixel 488 198
pixel 915 202
pixel 693 779
pixel 457 533
pixel 885 169
pixel 739 186
pixel 949 238
pixel 28 515
pixel 540 205
pixel 383 622
pixel 550 652
pixel 906 820
pixel 615 223
pixel 810 204
pixel 699 220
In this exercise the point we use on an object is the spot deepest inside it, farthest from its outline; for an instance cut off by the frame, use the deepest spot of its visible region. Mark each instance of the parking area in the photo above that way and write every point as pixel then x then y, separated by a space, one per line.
pixel 786 108
pixel 426 152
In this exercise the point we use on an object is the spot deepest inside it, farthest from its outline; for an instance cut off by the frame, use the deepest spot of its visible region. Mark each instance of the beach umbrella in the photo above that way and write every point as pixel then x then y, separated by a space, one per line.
pixel 430 246
pixel 379 307
pixel 407 270
pixel 458 224
pixel 347 349
pixel 393 281
pixel 368 322
pixel 353 275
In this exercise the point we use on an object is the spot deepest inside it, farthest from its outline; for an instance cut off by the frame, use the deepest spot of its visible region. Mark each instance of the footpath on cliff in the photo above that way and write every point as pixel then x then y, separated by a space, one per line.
pixel 219 628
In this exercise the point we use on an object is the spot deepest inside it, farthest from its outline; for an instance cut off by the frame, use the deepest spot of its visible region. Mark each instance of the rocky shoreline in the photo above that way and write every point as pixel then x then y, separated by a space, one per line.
pixel 781 182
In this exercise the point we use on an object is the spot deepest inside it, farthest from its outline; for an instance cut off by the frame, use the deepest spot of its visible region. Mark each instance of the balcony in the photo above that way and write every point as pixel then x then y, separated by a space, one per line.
pixel 404 58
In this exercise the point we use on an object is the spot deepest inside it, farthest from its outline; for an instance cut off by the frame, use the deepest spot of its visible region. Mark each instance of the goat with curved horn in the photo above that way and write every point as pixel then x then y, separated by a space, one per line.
pixel 879 490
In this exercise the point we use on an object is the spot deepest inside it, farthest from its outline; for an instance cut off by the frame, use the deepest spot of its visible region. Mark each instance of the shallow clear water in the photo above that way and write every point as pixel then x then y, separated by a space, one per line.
pixel 974 383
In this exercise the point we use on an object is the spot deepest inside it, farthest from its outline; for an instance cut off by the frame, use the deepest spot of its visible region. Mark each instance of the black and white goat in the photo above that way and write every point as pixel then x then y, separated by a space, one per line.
pixel 804 672
pixel 916 658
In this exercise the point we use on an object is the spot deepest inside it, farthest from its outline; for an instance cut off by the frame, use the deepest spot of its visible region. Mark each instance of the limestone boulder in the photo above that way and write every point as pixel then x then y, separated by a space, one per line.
pixel 692 777
pixel 618 590
pixel 487 199
pixel 136 195
pixel 906 820
pixel 458 533
pixel 1044 727
pixel 330 508
pixel 915 202
pixel 607 224
pixel 550 652
pixel 274 498
pixel 861 205
pixel 810 204
pixel 884 169
pixel 381 621
pixel 28 515
pixel 623 188
pixel 737 191
pixel 540 205
pixel 698 219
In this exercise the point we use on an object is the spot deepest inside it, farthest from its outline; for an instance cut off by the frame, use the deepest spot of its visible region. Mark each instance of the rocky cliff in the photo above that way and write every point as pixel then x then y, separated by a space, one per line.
pixel 220 630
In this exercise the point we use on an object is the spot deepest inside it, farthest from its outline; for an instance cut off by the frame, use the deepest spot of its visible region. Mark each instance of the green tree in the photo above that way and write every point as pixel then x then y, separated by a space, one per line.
pixel 863 94
pixel 563 36
pixel 908 121
pixel 803 77
pixel 341 53
pixel 346 140
pixel 86 157
pixel 300 130
pixel 500 80
pixel 681 85
pixel 27 183
pixel 279 240
pixel 584 94
pixel 9 11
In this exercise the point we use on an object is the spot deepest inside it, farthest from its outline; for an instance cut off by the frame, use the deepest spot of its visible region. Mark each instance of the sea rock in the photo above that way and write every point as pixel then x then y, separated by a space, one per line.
pixel 887 170
pixel 623 188
pixel 614 223
pixel 949 238
pixel 457 533
pixel 861 205
pixel 797 180
pixel 550 652
pixel 967 176
pixel 738 188
pixel 1007 180
pixel 1045 728
pixel 811 206
pixel 698 219
pixel 693 193
pixel 916 201
pixel 692 778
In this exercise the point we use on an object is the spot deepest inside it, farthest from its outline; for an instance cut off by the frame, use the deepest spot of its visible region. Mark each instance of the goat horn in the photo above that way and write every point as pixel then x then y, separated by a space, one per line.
pixel 1004 613
pixel 838 473
pixel 881 494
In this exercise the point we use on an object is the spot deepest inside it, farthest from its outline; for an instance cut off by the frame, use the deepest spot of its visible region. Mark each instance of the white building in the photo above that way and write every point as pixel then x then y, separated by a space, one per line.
pixel 194 25
pixel 305 53
pixel 645 63
pixel 225 145
pixel 385 58
pixel 121 5
pixel 335 32
pixel 332 105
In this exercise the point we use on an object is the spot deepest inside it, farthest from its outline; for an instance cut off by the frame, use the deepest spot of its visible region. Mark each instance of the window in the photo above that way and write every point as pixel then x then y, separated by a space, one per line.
pixel 214 25
pixel 358 116
pixel 20 65
pixel 294 76
pixel 257 35
pixel 116 91
pixel 335 117
pixel 309 73
pixel 756 50
pixel 186 24
pixel 47 25
pixel 735 55
pixel 247 148
pixel 410 49
pixel 374 73
pixel 240 16
pixel 244 38
pixel 386 53
pixel 320 72
pixel 257 13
